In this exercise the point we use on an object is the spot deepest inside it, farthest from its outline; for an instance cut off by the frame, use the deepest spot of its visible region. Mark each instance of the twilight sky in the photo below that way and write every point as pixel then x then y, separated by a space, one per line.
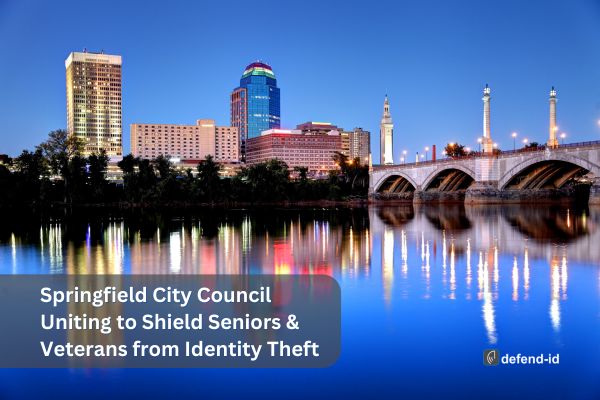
pixel 334 61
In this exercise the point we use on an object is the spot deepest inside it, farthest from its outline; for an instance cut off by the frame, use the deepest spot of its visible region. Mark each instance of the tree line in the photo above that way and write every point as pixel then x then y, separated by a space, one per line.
pixel 31 178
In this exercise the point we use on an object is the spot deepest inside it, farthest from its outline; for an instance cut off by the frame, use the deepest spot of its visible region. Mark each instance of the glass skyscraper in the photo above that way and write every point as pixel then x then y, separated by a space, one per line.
pixel 255 105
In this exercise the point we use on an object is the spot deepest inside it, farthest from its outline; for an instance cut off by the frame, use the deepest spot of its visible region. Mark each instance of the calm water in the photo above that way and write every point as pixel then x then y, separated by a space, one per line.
pixel 424 291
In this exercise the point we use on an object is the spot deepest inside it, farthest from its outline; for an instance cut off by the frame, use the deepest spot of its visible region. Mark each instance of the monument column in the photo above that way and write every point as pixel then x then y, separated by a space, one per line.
pixel 553 142
pixel 487 145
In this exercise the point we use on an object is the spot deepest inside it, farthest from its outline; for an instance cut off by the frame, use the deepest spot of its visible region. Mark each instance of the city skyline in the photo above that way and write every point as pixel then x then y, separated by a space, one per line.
pixel 319 89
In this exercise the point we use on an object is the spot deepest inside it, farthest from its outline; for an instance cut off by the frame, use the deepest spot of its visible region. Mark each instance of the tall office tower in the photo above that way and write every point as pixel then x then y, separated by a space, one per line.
pixel 255 105
pixel 360 145
pixel 94 101
pixel 387 134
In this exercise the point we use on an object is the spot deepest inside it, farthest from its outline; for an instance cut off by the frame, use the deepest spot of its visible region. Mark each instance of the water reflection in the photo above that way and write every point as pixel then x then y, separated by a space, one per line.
pixel 506 249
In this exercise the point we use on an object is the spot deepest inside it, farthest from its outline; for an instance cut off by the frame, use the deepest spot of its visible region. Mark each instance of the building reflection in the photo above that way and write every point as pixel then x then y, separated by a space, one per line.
pixel 492 232
pixel 499 247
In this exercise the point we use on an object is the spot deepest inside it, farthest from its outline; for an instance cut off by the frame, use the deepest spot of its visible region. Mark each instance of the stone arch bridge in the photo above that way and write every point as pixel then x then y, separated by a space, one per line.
pixel 532 175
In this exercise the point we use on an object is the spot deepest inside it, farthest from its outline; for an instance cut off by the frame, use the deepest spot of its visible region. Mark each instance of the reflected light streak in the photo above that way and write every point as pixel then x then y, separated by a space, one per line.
pixel 515 279
pixel 469 278
pixel 488 308
pixel 175 252
pixel 480 276
pixel 404 255
pixel 452 273
pixel 388 264
pixel 554 304
pixel 563 275
pixel 444 254
pixel 526 273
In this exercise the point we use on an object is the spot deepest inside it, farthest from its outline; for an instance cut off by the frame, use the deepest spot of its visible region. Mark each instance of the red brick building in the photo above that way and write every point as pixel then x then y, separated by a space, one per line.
pixel 295 148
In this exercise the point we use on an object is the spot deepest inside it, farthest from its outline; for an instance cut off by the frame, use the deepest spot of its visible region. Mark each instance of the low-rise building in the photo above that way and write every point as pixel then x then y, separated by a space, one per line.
pixel 186 142
pixel 295 149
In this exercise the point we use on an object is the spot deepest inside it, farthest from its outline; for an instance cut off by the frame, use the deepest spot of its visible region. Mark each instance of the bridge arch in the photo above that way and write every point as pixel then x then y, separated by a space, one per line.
pixel 550 166
pixel 391 181
pixel 466 172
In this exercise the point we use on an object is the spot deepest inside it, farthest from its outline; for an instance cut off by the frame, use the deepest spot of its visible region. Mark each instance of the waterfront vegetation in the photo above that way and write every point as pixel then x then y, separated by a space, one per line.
pixel 57 172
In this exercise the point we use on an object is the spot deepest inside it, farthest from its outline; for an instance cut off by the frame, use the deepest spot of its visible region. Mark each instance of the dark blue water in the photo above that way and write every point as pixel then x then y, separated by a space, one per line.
pixel 424 291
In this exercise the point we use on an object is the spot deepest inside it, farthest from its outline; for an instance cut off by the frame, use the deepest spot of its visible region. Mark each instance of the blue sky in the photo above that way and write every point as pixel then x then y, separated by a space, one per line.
pixel 334 61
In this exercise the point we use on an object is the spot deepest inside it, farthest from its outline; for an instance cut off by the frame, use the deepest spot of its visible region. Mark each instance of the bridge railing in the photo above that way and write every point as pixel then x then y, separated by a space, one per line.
pixel 496 153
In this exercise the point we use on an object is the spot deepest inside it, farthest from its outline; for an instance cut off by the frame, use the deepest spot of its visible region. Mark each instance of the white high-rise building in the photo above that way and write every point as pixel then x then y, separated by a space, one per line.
pixel 386 132
pixel 94 101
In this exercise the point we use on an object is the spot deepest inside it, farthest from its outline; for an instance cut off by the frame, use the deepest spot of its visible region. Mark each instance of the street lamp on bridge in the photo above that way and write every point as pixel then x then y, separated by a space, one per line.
pixel 426 150
pixel 479 140
pixel 514 135
pixel 562 136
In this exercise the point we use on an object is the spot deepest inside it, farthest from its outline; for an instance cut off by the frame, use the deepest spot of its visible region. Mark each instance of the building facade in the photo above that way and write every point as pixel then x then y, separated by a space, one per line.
pixel 386 132
pixel 345 143
pixel 317 128
pixel 255 104
pixel 94 101
pixel 294 148
pixel 186 142
pixel 323 128
pixel 360 145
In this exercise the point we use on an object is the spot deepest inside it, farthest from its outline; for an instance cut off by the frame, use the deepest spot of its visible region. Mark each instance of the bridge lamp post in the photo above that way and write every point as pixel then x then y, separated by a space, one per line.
pixel 426 150
pixel 402 160
pixel 404 152
pixel 514 135
pixel 422 157
pixel 468 149
pixel 525 142
pixel 562 136
pixel 444 154
pixel 479 140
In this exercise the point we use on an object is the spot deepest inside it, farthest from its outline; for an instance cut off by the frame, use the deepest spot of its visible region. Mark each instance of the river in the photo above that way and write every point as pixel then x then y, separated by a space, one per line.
pixel 424 291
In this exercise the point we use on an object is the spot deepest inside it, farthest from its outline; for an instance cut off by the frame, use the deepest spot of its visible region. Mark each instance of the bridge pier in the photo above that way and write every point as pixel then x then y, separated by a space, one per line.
pixel 595 194
pixel 483 193
pixel 432 197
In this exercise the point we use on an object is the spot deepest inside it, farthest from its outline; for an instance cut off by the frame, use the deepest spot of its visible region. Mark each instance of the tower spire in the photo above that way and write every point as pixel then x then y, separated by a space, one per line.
pixel 386 131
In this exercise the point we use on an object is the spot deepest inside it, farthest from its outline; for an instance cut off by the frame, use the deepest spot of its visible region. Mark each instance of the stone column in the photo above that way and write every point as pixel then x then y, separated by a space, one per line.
pixel 487 145
pixel 553 142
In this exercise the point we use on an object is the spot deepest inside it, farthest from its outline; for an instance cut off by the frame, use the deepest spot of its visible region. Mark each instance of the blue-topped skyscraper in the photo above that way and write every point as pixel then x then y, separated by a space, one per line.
pixel 255 105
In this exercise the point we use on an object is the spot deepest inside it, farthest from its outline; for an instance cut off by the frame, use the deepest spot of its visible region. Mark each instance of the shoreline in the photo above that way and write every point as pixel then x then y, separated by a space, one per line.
pixel 319 203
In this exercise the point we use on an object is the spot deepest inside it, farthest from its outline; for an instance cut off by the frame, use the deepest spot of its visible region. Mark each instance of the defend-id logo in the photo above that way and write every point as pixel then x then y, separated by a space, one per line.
pixel 491 357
